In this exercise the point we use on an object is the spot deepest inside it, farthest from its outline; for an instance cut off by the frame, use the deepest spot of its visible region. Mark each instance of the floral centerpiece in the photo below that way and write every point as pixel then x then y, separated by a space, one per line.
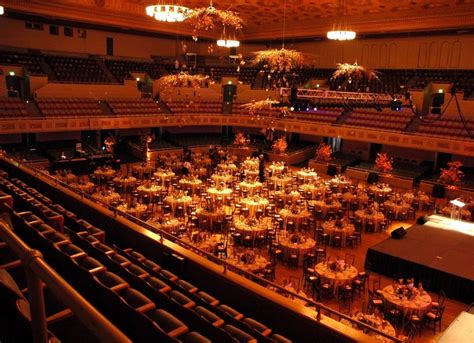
pixel 241 140
pixel 451 175
pixel 355 71
pixel 280 145
pixel 323 153
pixel 183 80
pixel 207 18
pixel 337 266
pixel 279 60
pixel 383 163
pixel 109 143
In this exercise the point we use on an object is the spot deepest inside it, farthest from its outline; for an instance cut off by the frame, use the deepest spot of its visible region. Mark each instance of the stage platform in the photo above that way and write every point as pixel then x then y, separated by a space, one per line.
pixel 435 253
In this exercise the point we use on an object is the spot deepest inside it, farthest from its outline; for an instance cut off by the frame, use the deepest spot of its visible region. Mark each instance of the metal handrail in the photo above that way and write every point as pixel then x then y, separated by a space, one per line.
pixel 227 266
pixel 37 269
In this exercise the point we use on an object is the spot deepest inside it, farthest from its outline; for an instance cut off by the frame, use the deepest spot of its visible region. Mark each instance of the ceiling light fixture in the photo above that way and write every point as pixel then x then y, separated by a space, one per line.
pixel 2 10
pixel 227 40
pixel 168 12
pixel 341 30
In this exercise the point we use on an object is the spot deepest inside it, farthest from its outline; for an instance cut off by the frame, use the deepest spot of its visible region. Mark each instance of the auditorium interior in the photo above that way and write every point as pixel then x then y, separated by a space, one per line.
pixel 236 171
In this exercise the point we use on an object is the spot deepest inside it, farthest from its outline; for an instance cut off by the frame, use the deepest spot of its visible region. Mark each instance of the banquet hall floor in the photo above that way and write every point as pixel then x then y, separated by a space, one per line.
pixel 453 308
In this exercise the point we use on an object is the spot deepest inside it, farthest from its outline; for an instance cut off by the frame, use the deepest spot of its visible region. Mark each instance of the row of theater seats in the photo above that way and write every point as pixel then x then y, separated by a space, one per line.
pixel 122 69
pixel 385 120
pixel 146 301
pixel 124 106
pixel 320 115
pixel 68 107
pixel 447 127
pixel 76 69
pixel 12 108
pixel 179 107
pixel 31 62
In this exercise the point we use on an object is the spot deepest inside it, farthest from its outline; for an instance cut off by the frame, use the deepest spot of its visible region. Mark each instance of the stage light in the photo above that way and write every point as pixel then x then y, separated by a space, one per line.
pixel 11 73
pixel 440 91
pixel 138 79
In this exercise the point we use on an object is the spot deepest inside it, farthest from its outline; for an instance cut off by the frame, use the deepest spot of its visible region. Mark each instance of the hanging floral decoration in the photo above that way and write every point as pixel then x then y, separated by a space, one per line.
pixel 109 143
pixel 279 60
pixel 383 163
pixel 452 174
pixel 183 80
pixel 241 140
pixel 323 153
pixel 280 145
pixel 207 18
pixel 254 106
pixel 354 71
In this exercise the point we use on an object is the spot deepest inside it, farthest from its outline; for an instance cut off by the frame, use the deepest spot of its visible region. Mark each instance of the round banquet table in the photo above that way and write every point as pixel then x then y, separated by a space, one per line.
pixel 297 218
pixel 222 178
pixel 211 217
pixel 332 230
pixel 420 304
pixel 169 225
pixel 337 277
pixel 376 217
pixel 259 264
pixel 227 166
pixel 164 175
pixel 421 197
pixel 254 230
pixel 325 207
pixel 314 189
pixel 447 210
pixel 106 198
pixel 67 178
pixel 276 168
pixel 105 173
pixel 380 189
pixel 215 193
pixel 254 204
pixel 207 243
pixel 287 246
pixel 339 183
pixel 174 202
pixel 281 182
pixel 397 209
pixel 191 184
pixel 141 170
pixel 251 187
pixel 87 187
pixel 293 196
pixel 251 163
pixel 375 322
pixel 361 198
pixel 307 175
pixel 127 183
pixel 136 210
pixel 151 190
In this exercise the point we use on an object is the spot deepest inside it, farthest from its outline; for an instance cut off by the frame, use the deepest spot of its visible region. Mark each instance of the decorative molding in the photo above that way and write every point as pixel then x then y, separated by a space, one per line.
pixel 413 141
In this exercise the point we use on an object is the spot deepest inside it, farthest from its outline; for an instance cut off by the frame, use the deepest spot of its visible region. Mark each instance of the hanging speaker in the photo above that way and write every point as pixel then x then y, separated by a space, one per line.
pixel 399 233
pixel 293 95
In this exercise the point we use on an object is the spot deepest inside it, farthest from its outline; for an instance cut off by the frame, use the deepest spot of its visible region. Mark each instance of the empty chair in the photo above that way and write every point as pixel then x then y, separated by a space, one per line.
pixel 168 323
pixel 257 326
pixel 239 335
pixel 230 312
pixel 209 316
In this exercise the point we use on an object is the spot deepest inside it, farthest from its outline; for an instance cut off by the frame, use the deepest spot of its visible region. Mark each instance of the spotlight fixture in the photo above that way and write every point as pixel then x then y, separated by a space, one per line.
pixel 171 12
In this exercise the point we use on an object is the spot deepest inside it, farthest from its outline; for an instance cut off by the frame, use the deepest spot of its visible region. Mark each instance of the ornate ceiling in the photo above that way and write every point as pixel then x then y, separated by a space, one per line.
pixel 264 18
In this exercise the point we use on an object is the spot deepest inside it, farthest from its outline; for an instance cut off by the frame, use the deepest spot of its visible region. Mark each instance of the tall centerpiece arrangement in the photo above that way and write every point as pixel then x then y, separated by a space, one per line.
pixel 109 144
pixel 451 175
pixel 323 153
pixel 183 80
pixel 241 140
pixel 354 71
pixel 280 145
pixel 383 163
pixel 255 106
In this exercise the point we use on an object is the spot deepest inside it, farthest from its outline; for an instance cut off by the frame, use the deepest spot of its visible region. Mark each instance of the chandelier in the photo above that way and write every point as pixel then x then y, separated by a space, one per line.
pixel 341 31
pixel 167 12
pixel 227 40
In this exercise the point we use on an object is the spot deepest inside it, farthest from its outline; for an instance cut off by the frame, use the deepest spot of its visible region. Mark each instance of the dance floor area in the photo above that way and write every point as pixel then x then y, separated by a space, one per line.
pixel 434 253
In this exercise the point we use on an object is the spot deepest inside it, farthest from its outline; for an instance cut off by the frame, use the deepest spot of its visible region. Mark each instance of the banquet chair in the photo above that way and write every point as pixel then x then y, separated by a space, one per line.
pixel 370 226
pixel 392 314
pixel 360 282
pixel 346 292
pixel 440 302
pixel 337 241
pixel 374 301
pixel 293 258
pixel 434 317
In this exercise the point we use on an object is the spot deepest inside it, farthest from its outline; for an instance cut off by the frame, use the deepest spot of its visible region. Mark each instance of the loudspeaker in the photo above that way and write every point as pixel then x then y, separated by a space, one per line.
pixel 372 177
pixel 332 170
pixel 422 220
pixel 293 95
pixel 399 233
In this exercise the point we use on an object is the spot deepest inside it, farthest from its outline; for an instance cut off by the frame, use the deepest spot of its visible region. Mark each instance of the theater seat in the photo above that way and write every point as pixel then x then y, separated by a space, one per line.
pixel 257 326
pixel 231 312
pixel 208 298
pixel 194 337
pixel 280 338
pixel 158 284
pixel 112 281
pixel 168 323
pixel 209 316
pixel 187 286
pixel 240 335
pixel 181 299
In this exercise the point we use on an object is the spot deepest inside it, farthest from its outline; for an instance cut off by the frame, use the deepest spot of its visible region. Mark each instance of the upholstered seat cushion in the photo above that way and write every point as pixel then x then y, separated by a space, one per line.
pixel 257 326
pixel 238 334
pixel 158 284
pixel 280 338
pixel 187 286
pixel 231 312
pixel 194 337
pixel 169 323
pixel 208 298
pixel 209 316
pixel 181 299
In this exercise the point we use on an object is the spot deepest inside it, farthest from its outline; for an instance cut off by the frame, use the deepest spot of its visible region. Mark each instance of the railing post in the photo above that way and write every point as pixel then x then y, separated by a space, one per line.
pixel 36 299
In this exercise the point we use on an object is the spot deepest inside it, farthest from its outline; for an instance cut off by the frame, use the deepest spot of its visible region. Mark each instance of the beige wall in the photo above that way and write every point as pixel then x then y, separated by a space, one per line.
pixel 453 52
pixel 96 91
